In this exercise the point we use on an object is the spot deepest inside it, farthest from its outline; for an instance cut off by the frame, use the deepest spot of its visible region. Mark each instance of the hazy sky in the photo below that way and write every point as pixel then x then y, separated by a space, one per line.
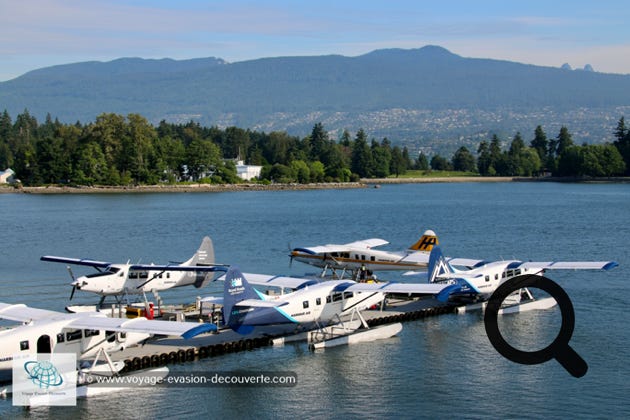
pixel 41 33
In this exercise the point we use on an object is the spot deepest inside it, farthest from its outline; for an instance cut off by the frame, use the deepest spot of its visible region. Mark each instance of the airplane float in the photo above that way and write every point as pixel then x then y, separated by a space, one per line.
pixel 360 256
pixel 312 303
pixel 122 280
pixel 86 334
pixel 478 279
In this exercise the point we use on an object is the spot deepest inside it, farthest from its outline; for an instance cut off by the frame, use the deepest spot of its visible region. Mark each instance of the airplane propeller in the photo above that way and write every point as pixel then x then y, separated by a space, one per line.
pixel 290 255
pixel 74 282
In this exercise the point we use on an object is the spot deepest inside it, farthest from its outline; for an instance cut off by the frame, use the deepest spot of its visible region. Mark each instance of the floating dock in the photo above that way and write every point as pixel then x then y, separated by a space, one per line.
pixel 162 352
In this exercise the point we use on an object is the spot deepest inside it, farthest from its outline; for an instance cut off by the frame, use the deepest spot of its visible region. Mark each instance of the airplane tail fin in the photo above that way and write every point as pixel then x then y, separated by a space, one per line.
pixel 235 289
pixel 426 243
pixel 204 255
pixel 438 264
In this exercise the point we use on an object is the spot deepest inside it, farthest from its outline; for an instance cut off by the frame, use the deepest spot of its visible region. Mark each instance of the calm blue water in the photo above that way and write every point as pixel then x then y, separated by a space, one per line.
pixel 439 367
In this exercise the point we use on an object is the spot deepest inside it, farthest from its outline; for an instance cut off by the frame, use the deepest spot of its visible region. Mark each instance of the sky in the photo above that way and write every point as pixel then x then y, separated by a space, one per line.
pixel 42 33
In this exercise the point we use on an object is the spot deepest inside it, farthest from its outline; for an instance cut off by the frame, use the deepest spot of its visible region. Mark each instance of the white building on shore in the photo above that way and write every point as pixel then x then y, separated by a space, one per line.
pixel 247 172
pixel 7 176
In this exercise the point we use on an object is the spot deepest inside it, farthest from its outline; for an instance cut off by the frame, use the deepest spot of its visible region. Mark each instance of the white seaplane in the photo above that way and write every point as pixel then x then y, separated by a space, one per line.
pixel 476 280
pixel 313 303
pixel 122 280
pixel 360 257
pixel 86 334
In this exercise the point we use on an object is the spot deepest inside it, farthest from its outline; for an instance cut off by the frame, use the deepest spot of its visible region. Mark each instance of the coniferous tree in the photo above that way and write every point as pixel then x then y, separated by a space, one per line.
pixel 540 143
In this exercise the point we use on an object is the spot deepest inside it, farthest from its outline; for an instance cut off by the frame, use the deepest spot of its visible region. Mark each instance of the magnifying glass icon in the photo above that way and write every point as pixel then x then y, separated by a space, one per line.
pixel 559 349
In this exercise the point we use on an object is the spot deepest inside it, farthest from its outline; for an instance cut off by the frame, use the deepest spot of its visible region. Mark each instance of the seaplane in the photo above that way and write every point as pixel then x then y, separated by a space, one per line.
pixel 122 280
pixel 86 334
pixel 472 282
pixel 360 257
pixel 312 303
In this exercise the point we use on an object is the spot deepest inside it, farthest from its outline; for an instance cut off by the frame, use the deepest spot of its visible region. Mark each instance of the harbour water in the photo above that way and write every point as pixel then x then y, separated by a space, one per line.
pixel 437 367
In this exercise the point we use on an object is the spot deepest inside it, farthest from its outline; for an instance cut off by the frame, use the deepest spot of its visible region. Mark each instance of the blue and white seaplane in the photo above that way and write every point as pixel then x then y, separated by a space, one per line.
pixel 360 257
pixel 475 280
pixel 89 335
pixel 312 305
pixel 123 280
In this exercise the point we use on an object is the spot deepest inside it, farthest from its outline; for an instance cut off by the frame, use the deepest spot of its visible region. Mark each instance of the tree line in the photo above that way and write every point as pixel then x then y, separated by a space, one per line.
pixel 119 150
pixel 557 156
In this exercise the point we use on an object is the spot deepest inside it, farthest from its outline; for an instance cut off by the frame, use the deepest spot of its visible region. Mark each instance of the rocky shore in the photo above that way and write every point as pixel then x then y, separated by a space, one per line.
pixel 364 183
pixel 188 188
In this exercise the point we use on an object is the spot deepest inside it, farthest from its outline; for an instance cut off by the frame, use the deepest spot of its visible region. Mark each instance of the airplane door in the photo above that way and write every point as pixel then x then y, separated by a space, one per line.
pixel 43 344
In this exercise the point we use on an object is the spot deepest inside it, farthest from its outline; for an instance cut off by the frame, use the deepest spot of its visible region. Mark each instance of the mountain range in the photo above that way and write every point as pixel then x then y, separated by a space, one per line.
pixel 425 98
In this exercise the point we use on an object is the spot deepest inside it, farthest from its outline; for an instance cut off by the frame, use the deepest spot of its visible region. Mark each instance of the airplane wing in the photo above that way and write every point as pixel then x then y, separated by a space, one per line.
pixel 141 325
pixel 367 243
pixel 323 249
pixel 22 313
pixel 256 303
pixel 466 262
pixel 76 261
pixel 392 287
pixel 173 267
pixel 276 281
pixel 330 248
pixel 566 265
pixel 416 257
pixel 98 321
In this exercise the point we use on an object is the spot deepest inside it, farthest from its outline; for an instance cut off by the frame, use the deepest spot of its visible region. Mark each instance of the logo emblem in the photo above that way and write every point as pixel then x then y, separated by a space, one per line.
pixel 43 374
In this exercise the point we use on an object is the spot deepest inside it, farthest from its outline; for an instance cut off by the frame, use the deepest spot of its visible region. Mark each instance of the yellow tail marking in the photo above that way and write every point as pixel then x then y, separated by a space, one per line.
pixel 425 243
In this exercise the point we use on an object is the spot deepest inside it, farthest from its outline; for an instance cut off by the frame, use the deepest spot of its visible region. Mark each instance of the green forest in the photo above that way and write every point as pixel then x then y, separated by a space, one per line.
pixel 118 150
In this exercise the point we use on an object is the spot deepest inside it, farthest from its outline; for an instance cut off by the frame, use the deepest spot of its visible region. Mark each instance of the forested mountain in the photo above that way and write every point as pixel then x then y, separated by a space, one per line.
pixel 425 99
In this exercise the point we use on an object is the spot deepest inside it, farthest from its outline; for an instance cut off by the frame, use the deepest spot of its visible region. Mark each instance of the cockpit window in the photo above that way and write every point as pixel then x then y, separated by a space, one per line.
pixel 109 271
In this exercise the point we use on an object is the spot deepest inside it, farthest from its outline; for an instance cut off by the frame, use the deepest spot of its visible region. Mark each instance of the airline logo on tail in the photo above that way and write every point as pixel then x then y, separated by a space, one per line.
pixel 426 242
pixel 438 265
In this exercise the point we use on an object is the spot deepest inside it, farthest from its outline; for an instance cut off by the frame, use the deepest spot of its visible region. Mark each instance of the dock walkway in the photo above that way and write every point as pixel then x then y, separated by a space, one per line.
pixel 166 351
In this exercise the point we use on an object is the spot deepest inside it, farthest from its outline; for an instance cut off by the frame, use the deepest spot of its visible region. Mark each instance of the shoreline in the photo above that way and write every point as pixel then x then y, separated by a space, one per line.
pixel 363 183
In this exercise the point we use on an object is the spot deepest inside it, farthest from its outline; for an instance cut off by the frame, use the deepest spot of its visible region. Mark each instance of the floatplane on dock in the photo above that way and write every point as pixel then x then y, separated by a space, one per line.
pixel 123 282
pixel 474 282
pixel 360 257
pixel 312 305
pixel 89 336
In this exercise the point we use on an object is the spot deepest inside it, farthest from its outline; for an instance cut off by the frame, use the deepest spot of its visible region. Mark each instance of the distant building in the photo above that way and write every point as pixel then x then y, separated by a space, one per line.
pixel 7 176
pixel 247 172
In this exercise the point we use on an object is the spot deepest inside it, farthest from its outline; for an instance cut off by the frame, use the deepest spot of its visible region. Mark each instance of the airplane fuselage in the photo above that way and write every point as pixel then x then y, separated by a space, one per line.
pixel 54 337
pixel 487 278
pixel 119 279
pixel 371 259
pixel 319 303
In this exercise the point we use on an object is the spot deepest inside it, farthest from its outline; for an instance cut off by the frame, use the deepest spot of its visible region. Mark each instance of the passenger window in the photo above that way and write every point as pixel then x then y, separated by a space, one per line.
pixel 90 333
pixel 318 301
pixel 61 338
pixel 487 278
pixel 24 345
pixel 74 335
pixel 305 304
